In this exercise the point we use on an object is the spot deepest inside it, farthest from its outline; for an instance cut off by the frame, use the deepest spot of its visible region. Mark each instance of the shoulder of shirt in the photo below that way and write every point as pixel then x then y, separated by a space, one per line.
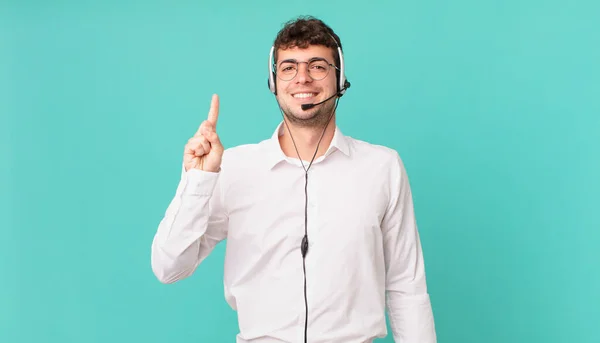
pixel 374 151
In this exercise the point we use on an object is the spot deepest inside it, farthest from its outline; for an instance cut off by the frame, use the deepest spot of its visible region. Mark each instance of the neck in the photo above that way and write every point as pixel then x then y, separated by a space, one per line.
pixel 306 140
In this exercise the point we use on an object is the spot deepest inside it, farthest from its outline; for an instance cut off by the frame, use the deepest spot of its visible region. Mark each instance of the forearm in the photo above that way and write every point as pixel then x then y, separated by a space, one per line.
pixel 182 239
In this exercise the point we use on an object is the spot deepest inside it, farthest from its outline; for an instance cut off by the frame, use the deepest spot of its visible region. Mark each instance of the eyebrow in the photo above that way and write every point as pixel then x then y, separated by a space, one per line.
pixel 312 59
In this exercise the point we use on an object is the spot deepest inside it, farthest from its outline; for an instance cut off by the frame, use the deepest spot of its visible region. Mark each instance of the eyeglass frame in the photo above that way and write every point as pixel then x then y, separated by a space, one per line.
pixel 313 59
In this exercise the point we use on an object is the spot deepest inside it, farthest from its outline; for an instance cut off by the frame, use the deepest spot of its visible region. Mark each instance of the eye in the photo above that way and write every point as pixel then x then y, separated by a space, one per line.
pixel 319 65
pixel 287 67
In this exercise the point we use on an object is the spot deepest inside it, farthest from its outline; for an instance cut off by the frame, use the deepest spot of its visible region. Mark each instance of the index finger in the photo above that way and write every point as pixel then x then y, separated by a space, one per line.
pixel 213 113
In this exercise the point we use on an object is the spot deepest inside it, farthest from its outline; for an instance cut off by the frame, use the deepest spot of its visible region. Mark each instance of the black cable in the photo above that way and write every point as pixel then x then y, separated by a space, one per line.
pixel 304 244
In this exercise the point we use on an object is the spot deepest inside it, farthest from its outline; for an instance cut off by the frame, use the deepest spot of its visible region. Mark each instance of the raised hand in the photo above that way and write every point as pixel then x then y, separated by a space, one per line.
pixel 204 150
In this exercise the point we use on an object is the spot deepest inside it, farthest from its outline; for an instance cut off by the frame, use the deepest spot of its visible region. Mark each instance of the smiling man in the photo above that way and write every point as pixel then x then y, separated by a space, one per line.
pixel 320 227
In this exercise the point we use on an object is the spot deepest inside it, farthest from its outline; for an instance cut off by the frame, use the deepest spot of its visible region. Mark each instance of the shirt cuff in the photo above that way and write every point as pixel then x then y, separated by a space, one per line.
pixel 199 182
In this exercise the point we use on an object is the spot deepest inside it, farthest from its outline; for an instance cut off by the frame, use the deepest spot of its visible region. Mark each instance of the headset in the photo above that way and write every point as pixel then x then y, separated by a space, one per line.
pixel 342 86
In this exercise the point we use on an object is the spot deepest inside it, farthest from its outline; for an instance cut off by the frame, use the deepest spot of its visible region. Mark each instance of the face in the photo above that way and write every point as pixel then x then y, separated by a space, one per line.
pixel 304 89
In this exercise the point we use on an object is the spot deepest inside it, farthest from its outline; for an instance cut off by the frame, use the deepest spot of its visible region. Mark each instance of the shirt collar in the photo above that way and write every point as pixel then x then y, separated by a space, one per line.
pixel 276 155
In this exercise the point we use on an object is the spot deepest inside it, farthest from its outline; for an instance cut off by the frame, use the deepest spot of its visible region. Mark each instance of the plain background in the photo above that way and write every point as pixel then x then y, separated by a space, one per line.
pixel 494 107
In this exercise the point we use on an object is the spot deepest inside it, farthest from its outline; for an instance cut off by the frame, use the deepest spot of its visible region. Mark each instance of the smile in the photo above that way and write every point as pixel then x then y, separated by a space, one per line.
pixel 304 95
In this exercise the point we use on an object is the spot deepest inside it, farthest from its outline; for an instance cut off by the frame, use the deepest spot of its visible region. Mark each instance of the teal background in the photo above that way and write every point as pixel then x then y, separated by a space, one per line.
pixel 494 107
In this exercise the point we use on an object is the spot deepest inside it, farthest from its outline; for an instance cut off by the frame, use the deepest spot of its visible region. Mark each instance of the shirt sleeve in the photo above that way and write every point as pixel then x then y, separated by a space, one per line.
pixel 407 299
pixel 193 224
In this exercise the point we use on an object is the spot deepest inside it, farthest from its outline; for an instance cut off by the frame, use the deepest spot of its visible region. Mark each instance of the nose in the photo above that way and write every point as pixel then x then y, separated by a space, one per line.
pixel 303 75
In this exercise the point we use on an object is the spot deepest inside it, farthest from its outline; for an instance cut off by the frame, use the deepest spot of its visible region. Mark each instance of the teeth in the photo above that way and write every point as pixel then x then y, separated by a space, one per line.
pixel 304 95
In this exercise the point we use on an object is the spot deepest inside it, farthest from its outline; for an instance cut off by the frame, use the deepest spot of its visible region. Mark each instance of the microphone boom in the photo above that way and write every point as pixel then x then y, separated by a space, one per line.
pixel 309 106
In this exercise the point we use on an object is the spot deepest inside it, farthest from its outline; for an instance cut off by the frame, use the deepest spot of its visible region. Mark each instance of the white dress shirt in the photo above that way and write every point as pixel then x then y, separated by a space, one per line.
pixel 364 249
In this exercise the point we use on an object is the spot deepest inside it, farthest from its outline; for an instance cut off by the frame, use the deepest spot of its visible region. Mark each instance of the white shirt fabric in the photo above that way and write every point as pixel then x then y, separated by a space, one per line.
pixel 364 249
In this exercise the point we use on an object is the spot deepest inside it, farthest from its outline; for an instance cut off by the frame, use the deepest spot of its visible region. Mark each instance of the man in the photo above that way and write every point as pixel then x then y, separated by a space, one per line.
pixel 320 227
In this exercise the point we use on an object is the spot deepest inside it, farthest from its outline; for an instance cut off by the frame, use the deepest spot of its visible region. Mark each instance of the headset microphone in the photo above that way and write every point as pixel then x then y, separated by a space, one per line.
pixel 309 106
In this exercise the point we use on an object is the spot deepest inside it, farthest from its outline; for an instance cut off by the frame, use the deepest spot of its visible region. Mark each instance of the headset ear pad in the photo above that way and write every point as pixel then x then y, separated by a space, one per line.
pixel 271 84
pixel 343 84
pixel 271 80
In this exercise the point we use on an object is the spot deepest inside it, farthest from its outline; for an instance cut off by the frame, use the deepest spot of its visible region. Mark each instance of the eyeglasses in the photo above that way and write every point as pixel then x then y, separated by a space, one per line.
pixel 317 68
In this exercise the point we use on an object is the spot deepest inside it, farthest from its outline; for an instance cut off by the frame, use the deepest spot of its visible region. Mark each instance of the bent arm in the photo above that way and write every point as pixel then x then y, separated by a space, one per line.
pixel 409 307
pixel 193 224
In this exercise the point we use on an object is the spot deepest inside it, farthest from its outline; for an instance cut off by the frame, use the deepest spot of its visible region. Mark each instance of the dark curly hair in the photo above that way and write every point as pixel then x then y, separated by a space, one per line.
pixel 304 31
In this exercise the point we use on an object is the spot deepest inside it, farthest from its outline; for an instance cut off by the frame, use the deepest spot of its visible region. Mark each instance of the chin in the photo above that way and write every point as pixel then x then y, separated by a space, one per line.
pixel 299 113
pixel 314 117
